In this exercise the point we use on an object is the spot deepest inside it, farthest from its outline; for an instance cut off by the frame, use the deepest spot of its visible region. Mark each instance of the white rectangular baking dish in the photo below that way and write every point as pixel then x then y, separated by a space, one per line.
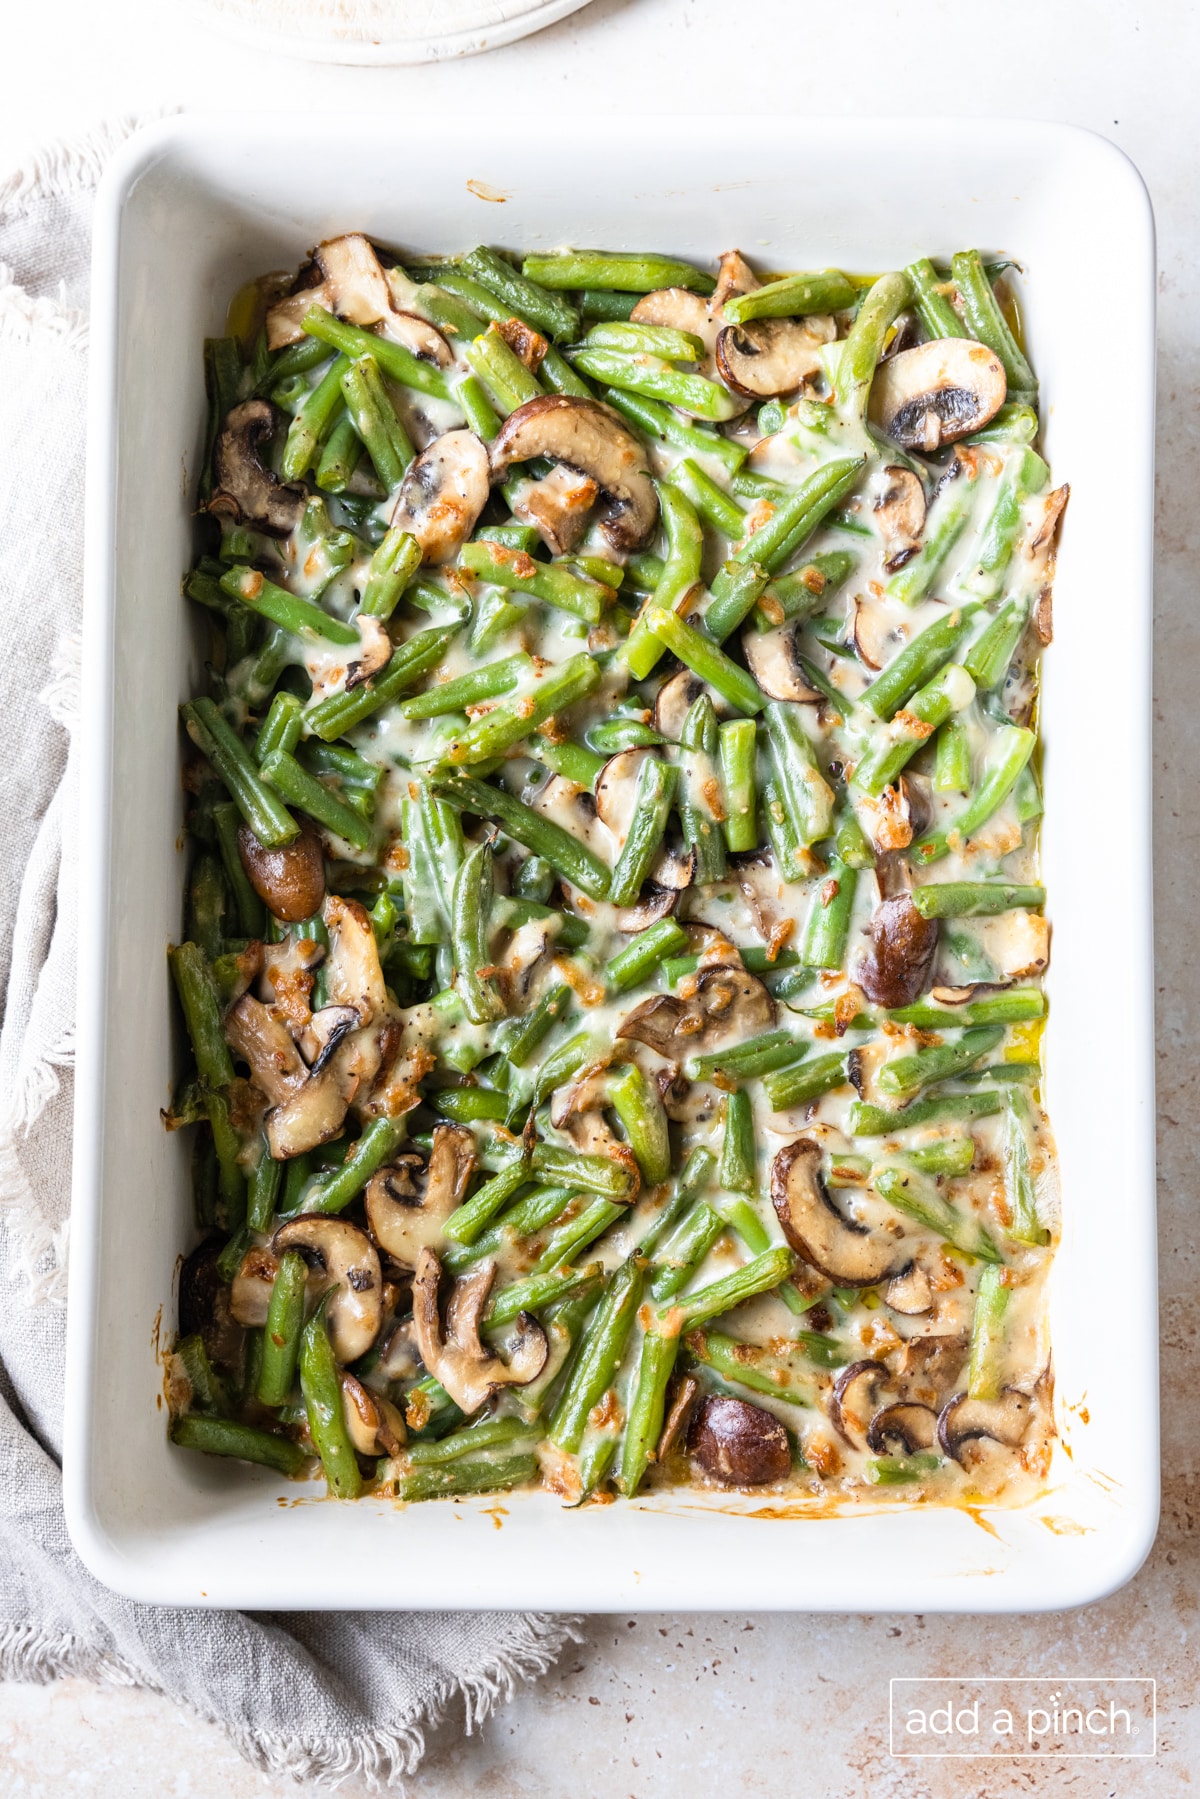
pixel 190 209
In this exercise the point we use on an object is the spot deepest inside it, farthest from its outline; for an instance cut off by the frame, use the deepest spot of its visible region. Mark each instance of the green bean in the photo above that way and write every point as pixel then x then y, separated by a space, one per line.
pixel 942 1108
pixel 655 379
pixel 617 734
pixel 1011 749
pixel 680 575
pixel 1024 474
pixel 604 1175
pixel 577 1233
pixel 982 312
pixel 340 456
pixel 541 1207
pixel 459 1478
pixel 987 661
pixel 663 422
pixel 753 1366
pixel 746 1061
pixel 947 521
pixel 513 720
pixel 502 373
pixel 221 1436
pixel 471 914
pixel 799 594
pixel 933 307
pixel 683 1251
pixel 489 1433
pixel 711 502
pixel 861 351
pixel 850 840
pixel 207 904
pixel 334 1191
pixel 987 1333
pixel 695 1175
pixel 638 1106
pixel 395 561
pixel 1020 1194
pixel 281 1337
pixel 486 683
pixel 322 1391
pixel 208 1392
pixel 737 1168
pixel 806 794
pixel 898 1471
pixel 296 359
pixel 375 419
pixel 526 1033
pixel 904 1076
pixel 799 1083
pixel 793 296
pixel 395 360
pixel 301 617
pixel 570 760
pixel 266 1179
pixel 918 661
pixel 202 1015
pixel 549 582
pixel 950 691
pixel 294 784
pixel 598 303
pixel 537 1292
pixel 797 516
pixel 563 851
pixel 332 717
pixel 737 740
pixel 628 271
pixel 705 659
pixel 916 1198
pixel 1027 796
pixel 526 298
pixel 533 880
pixel 472 1105
pixel 700 795
pixel 736 592
pixel 482 416
pixel 952 758
pixel 559 377
pixel 754 1277
pixel 1013 424
pixel 743 1221
pixel 280 729
pixel 653 340
pixel 647 1406
pixel 828 923
pixel 311 423
pixel 653 798
pixel 600 1353
pixel 466 1224
pixel 781 832
pixel 974 899
pixel 271 823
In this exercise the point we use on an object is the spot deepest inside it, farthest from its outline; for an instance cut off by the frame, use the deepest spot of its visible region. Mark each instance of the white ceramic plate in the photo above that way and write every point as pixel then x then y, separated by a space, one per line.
pixel 190 209
pixel 379 33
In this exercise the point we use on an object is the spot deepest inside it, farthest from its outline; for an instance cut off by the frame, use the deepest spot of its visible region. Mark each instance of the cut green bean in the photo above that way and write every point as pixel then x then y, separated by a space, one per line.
pixel 376 421
pixel 988 659
pixel 514 719
pixel 792 297
pixel 395 561
pixel 637 1104
pixel 653 798
pixel 974 899
pixel 294 784
pixel 951 691
pixel 680 576
pixel 638 960
pixel 737 1168
pixel 903 1076
pixel 564 852
pixel 647 1407
pixel 915 1197
pixel 981 310
pixel 267 817
pixel 627 271
pixel 1011 749
pixel 828 923
pixel 1025 1225
pixel 665 423
pixel 550 582
pixel 931 301
pixel 321 1388
pixel 458 1479
pixel 417 656
pixel 281 1335
pixel 242 1442
pixel 737 744
pixel 705 659
pixel 754 1277
pixel 944 1108
pixel 394 359
pixel 806 794
pixel 918 661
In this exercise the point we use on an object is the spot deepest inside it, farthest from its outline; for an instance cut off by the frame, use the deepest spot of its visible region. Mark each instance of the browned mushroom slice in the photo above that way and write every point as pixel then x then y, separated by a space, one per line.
pixel 681 310
pixel 443 493
pixel 375 653
pixel 373 1424
pixel 679 1412
pixel 345 1255
pixel 684 1101
pixel 353 974
pixel 909 1292
pixel 250 1289
pixel 771 356
pixel 772 658
pixel 734 276
pixel 840 1247
pixel 558 506
pixel 594 441
pixel 1043 549
pixel 869 633
pixel 675 699
pixel 526 343
pixel 963 1419
pixel 205 1307
pixel 895 970
pixel 256 1034
pixel 285 320
pixel 616 792
pixel 900 515
pixel 315 1112
pixel 452 1352
pixel 244 489
pixel 352 274
pixel 653 903
pixel 739 1444
pixel 353 283
pixel 726 1002
pixel 938 392
pixel 290 881
pixel 854 1400
pixel 927 1368
pixel 408 1204
pixel 673 868
pixel 910 1428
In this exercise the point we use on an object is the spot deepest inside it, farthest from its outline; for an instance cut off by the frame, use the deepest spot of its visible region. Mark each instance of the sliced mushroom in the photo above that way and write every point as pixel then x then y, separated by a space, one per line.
pixel 772 658
pixel 593 440
pixel 727 1002
pixel 964 1419
pixel 895 970
pixel 652 904
pixel 772 356
pixel 869 633
pixel 739 1444
pixel 256 1034
pixel 443 493
pixel 1043 549
pixel 675 699
pixel 315 1112
pixel 375 654
pixel 927 1368
pixel 285 320
pixel 244 489
pixel 250 1289
pixel 1020 942
pixel 326 1029
pixel 734 276
pixel 524 342
pixel 354 284
pixel 854 1401
pixel 681 310
pixel 205 1307
pixel 673 868
pixel 346 1256
pixel 911 1428
pixel 837 1246
pixel 679 1412
pixel 938 392
pixel 373 1424
pixel 900 515
pixel 909 1292
pixel 526 947
pixel 288 977
pixel 558 506
pixel 684 1101
pixel 353 973
pixel 616 792
pixel 290 881
pixel 409 1203
pixel 453 1353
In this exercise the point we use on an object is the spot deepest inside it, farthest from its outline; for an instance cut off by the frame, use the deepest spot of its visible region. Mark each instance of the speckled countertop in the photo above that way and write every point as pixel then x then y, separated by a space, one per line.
pixel 660 1707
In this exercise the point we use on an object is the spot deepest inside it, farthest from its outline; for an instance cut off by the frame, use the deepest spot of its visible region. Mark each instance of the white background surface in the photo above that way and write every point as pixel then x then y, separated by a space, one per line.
pixel 655 1706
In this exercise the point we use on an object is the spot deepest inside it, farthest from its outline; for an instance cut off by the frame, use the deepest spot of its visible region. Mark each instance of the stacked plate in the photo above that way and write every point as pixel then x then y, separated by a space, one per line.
pixel 380 31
